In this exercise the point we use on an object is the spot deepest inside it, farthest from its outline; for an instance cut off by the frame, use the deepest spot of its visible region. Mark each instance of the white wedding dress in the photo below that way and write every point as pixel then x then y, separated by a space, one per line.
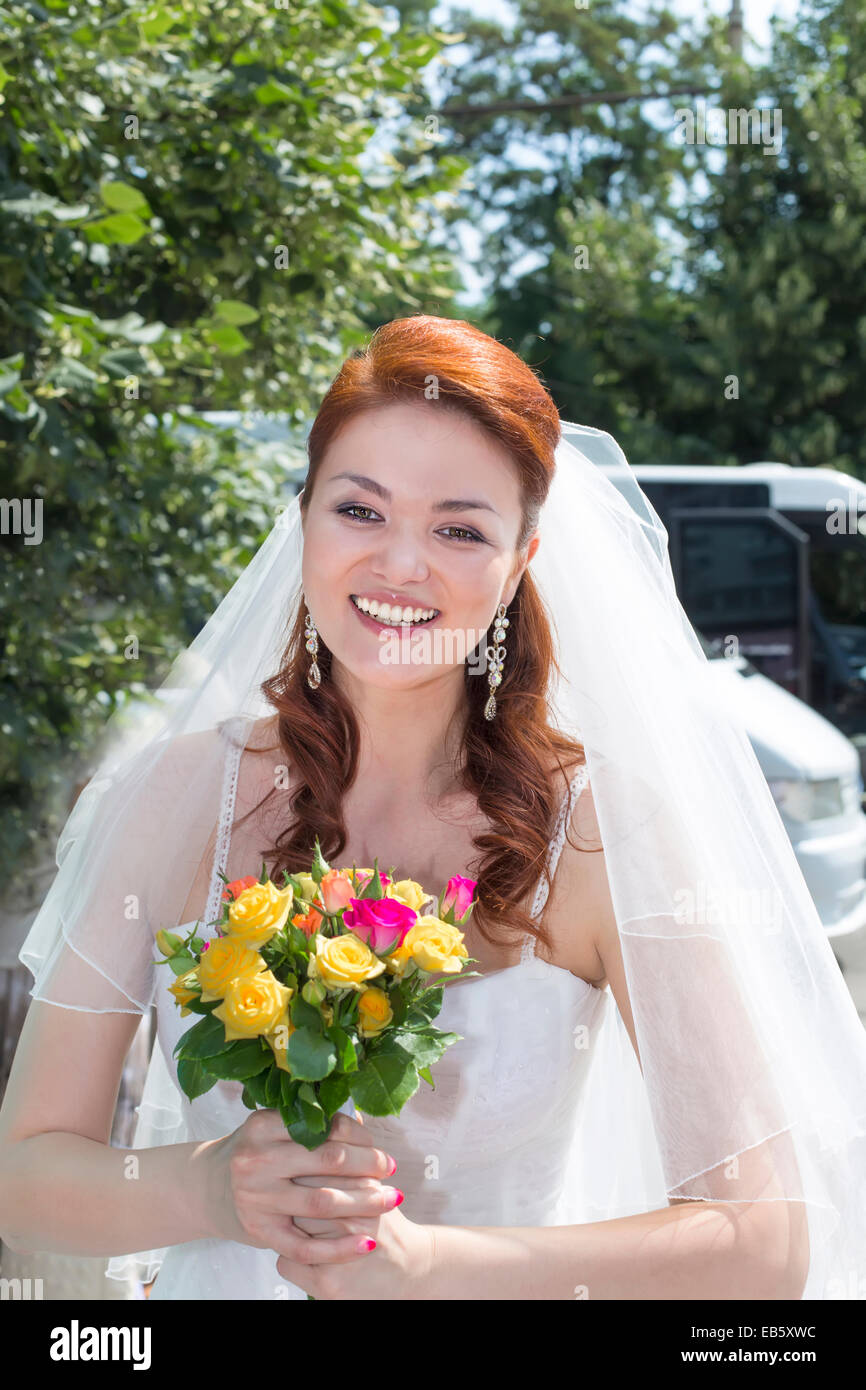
pixel 498 1142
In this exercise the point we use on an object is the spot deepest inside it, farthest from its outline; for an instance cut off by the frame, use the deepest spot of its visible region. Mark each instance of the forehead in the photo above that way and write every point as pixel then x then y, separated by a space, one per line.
pixel 416 450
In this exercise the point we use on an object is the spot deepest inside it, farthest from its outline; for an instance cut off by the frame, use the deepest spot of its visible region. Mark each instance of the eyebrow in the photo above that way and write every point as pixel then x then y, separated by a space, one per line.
pixel 447 504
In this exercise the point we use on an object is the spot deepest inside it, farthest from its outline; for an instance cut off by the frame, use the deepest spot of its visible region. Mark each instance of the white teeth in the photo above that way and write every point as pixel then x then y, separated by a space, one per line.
pixel 393 616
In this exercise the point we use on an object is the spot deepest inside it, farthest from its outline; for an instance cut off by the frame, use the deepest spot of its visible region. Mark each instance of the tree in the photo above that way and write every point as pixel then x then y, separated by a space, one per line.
pixel 702 302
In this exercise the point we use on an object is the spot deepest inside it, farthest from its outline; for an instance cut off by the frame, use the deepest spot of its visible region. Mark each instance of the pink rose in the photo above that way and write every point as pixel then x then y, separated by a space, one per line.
pixel 381 922
pixel 364 876
pixel 459 894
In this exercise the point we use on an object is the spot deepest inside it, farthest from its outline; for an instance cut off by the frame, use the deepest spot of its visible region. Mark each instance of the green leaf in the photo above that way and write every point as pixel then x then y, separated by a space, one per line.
pixel 304 1133
pixel 245 1058
pixel 347 1056
pixel 157 23
pixel 273 1086
pixel 308 1101
pixel 257 1086
pixel 424 1046
pixel 121 228
pixel 196 1006
pixel 384 1083
pixel 334 1091
pixel 305 1015
pixel 425 1007
pixel 194 1080
pixel 272 92
pixel 180 963
pixel 122 197
pixel 123 362
pixel 10 372
pixel 205 1039
pixel 309 1055
pixel 233 311
pixel 228 339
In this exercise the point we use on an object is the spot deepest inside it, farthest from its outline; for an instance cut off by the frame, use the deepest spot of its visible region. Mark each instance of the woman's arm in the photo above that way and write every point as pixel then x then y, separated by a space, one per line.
pixel 62 1187
pixel 694 1250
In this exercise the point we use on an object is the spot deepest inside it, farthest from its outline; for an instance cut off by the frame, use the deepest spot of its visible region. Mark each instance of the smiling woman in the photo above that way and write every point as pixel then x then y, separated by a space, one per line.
pixel 661 1097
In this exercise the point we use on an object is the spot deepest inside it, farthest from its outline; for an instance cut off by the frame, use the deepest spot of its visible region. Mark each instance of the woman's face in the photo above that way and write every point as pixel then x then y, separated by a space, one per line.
pixel 418 508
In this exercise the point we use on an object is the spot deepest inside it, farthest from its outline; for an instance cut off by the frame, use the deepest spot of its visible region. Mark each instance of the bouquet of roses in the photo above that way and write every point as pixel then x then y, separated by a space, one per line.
pixel 318 991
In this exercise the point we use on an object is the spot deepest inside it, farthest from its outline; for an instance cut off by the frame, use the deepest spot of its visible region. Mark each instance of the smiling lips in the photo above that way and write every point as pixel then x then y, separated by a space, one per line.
pixel 393 615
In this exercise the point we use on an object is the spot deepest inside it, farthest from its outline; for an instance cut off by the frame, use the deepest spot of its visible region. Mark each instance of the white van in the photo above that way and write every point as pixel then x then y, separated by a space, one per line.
pixel 814 774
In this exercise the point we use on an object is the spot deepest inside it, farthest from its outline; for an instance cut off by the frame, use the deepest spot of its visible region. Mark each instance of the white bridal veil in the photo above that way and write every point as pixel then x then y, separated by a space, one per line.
pixel 752 1084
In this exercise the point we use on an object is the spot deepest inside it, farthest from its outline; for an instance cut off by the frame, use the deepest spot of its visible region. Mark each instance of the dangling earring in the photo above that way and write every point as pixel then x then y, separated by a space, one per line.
pixel 314 675
pixel 496 658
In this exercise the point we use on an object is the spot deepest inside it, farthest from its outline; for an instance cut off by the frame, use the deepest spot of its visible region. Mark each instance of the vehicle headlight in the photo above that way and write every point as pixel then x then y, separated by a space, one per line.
pixel 801 800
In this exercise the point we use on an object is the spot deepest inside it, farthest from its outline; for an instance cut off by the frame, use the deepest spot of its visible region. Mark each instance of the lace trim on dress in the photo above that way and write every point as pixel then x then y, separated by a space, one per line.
pixel 542 890
pixel 224 830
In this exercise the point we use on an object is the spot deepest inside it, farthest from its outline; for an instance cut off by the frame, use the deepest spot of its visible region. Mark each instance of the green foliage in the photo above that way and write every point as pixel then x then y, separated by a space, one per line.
pixel 191 218
pixel 707 262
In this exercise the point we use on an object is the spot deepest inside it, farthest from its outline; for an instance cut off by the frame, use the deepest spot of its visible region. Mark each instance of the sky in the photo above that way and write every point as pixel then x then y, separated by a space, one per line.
pixel 756 13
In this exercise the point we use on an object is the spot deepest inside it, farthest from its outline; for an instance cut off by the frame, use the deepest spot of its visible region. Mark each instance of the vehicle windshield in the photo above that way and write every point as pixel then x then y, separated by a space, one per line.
pixel 715 652
pixel 839 585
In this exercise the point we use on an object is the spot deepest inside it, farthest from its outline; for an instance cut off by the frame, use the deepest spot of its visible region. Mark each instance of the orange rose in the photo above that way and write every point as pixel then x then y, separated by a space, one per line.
pixel 308 922
pixel 336 890
pixel 237 886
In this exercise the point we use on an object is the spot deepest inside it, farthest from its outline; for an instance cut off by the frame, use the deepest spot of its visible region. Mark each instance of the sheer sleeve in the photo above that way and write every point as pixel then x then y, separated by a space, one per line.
pixel 127 858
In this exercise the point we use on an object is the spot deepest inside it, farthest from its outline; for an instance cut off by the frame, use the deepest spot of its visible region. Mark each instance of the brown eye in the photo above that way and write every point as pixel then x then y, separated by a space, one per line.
pixel 467 534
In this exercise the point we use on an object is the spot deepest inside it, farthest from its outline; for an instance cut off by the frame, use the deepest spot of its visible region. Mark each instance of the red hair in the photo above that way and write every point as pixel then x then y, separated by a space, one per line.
pixel 507 762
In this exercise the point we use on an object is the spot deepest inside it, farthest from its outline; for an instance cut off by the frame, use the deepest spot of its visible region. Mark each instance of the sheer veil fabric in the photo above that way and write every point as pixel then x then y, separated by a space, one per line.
pixel 752 1079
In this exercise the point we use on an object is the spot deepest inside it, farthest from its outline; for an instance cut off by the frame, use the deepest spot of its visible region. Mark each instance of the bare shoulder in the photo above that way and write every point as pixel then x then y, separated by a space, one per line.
pixel 263 764
pixel 190 753
pixel 576 903
pixel 584 924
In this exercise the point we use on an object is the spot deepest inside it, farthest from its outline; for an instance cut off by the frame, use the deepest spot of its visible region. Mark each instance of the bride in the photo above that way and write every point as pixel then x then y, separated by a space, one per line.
pixel 657 1092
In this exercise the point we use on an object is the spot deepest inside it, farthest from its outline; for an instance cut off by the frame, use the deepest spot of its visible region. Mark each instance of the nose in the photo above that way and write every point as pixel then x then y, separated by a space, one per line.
pixel 398 560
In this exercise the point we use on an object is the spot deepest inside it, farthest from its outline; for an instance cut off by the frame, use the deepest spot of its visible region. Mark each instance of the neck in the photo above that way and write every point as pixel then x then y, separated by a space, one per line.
pixel 409 739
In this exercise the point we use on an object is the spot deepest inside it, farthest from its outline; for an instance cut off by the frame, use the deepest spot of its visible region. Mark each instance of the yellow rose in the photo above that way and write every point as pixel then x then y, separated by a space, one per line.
pixel 435 946
pixel 278 1037
pixel 400 961
pixel 408 892
pixel 343 962
pixel 374 1012
pixel 182 992
pixel 252 1005
pixel 258 913
pixel 226 959
pixel 168 942
pixel 307 887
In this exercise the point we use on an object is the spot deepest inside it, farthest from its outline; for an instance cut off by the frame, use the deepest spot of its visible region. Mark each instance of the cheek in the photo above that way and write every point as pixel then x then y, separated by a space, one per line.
pixel 476 581
pixel 328 560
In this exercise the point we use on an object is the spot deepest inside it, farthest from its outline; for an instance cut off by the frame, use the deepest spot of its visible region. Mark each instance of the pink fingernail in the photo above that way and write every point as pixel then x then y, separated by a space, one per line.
pixel 368 1243
pixel 399 1198
pixel 393 1167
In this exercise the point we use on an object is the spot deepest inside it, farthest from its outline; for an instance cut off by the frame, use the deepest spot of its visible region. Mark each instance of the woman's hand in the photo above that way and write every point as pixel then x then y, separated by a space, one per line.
pixel 398 1268
pixel 251 1200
